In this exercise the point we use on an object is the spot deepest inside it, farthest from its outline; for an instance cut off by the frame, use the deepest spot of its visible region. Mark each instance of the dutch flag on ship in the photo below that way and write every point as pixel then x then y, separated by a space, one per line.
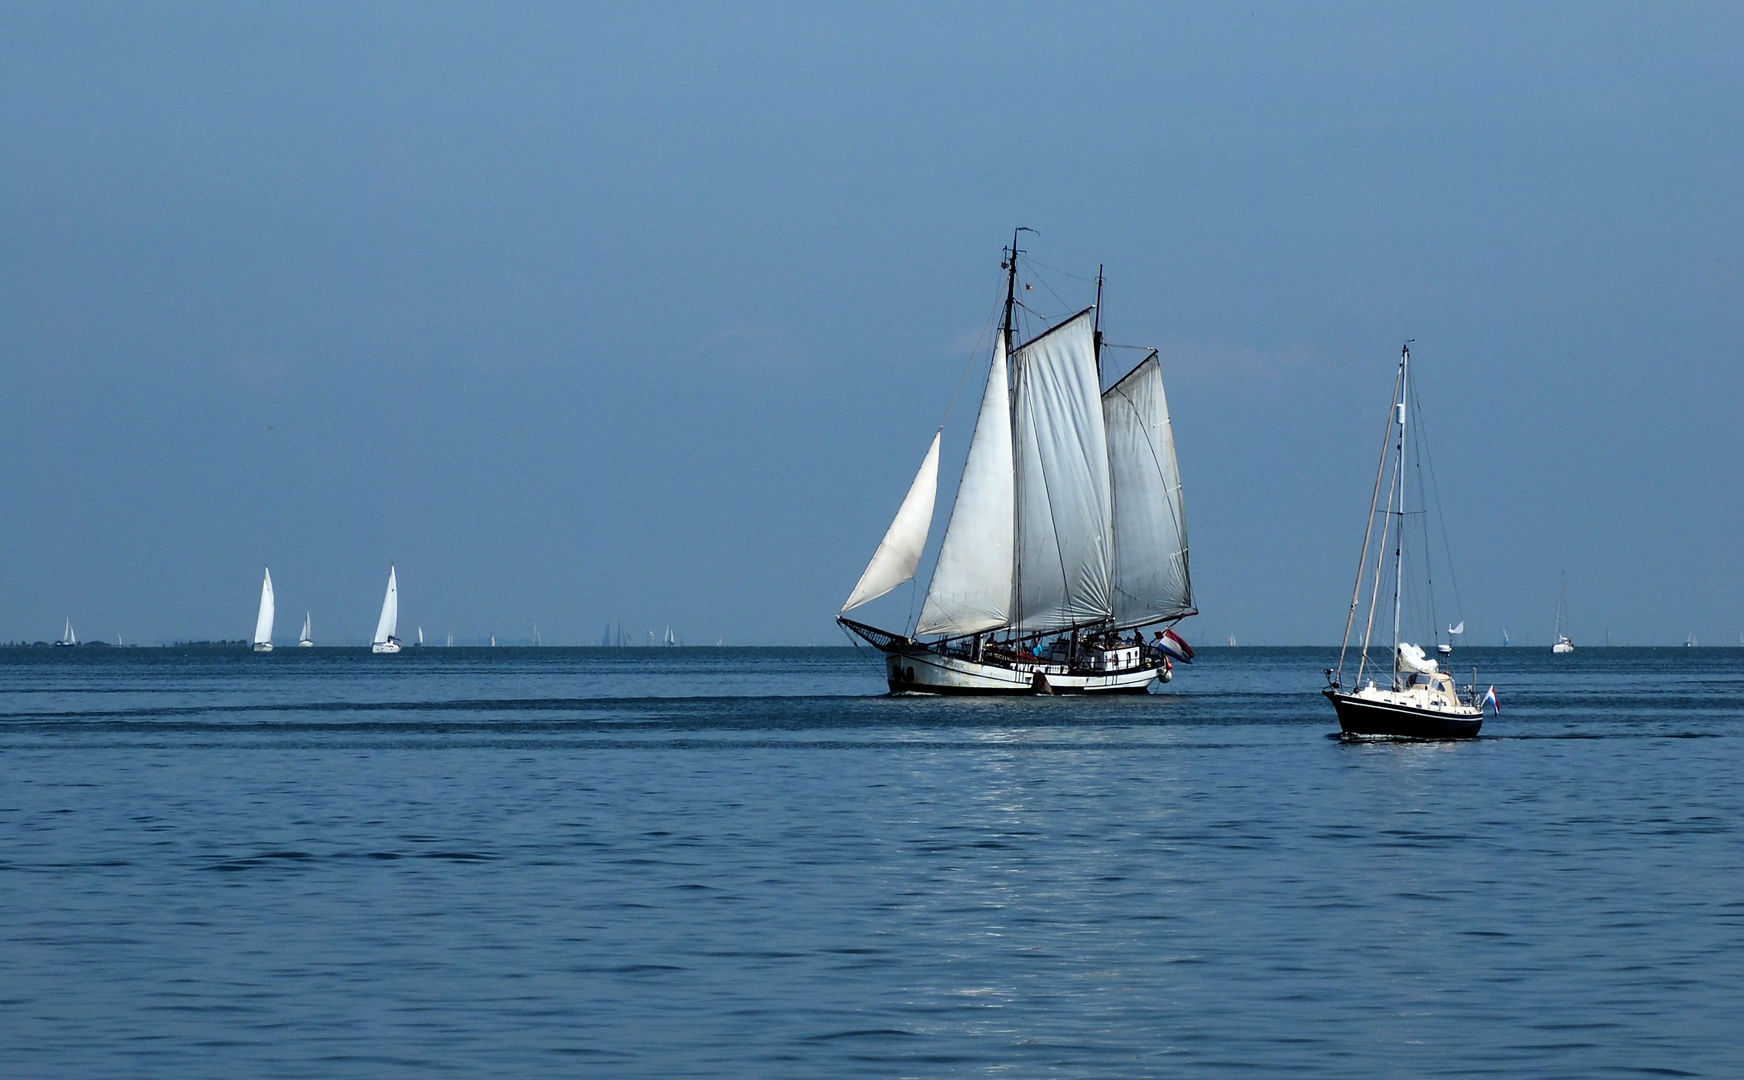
pixel 1175 646
pixel 1490 700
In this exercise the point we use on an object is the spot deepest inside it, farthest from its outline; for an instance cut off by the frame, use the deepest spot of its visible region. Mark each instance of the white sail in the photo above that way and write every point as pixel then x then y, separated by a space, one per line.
pixel 899 552
pixel 1064 556
pixel 971 586
pixel 263 621
pixel 1150 525
pixel 389 623
pixel 305 639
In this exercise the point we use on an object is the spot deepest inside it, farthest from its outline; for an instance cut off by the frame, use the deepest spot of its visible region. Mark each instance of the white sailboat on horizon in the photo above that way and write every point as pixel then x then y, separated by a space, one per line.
pixel 304 641
pixel 1067 530
pixel 389 623
pixel 68 638
pixel 1563 643
pixel 263 622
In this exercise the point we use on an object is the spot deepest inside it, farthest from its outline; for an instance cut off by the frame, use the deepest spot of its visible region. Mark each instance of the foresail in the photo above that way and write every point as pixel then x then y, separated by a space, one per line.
pixel 899 552
pixel 1063 551
pixel 971 586
pixel 389 623
pixel 263 622
pixel 1150 527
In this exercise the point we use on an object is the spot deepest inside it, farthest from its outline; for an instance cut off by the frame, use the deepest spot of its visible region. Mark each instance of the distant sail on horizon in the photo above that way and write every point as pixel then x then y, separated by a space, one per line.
pixel 389 623
pixel 263 622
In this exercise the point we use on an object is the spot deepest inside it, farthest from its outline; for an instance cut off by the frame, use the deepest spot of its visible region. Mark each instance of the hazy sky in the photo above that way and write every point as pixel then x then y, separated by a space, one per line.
pixel 648 313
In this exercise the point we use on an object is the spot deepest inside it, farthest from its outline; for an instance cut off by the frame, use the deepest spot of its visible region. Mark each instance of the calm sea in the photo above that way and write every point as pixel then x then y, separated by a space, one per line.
pixel 751 863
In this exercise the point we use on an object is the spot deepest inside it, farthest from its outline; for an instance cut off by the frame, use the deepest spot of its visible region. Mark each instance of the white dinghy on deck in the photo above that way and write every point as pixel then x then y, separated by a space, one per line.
pixel 1066 531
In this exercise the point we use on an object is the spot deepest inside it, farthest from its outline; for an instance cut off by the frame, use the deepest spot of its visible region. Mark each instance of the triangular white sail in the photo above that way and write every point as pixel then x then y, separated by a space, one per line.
pixel 971 586
pixel 1150 526
pixel 899 552
pixel 1064 556
pixel 305 639
pixel 389 623
pixel 263 621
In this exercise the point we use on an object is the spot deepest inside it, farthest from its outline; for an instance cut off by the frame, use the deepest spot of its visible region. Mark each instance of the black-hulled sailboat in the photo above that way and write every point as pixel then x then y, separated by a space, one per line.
pixel 1419 700
pixel 1067 532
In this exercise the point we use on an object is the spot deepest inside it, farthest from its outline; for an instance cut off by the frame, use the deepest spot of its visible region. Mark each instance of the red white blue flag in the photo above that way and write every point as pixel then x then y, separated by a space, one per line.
pixel 1175 645
pixel 1490 700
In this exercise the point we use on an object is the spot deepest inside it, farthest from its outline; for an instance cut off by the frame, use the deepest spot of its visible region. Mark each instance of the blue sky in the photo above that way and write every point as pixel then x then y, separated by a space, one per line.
pixel 647 313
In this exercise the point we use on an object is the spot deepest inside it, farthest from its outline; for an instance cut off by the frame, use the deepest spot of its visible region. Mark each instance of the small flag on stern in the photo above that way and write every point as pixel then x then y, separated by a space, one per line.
pixel 1490 700
pixel 1174 645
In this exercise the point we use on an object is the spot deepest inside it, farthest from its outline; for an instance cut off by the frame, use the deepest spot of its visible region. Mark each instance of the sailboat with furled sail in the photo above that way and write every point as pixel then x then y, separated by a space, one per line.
pixel 264 620
pixel 1420 700
pixel 1067 531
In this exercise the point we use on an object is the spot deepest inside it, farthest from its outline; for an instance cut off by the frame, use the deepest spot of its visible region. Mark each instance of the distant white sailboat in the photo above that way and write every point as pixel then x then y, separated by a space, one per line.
pixel 420 635
pixel 263 621
pixel 389 624
pixel 1563 643
pixel 305 641
pixel 68 638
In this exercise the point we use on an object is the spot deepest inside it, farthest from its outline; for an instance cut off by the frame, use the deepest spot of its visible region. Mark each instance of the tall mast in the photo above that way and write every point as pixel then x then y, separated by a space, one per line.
pixel 1096 327
pixel 1399 538
pixel 1010 291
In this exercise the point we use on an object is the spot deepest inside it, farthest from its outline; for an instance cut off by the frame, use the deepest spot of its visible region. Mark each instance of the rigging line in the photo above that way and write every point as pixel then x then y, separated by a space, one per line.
pixel 1047 286
pixel 1441 518
pixel 1037 262
pixel 1368 531
pixel 1381 557
pixel 969 363
pixel 1416 404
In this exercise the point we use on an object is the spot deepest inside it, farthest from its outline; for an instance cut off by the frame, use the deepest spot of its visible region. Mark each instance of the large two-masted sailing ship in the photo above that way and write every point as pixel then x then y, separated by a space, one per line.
pixel 1067 532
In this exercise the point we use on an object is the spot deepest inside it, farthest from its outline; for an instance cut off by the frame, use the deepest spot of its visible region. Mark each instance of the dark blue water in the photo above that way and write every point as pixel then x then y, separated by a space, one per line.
pixel 750 863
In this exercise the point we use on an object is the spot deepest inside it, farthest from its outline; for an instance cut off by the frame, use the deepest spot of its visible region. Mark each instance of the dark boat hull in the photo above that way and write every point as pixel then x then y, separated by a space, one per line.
pixel 1359 717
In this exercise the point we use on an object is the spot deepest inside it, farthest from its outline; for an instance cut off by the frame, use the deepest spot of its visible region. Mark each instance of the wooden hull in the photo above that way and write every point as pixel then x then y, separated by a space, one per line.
pixel 913 670
pixel 1357 716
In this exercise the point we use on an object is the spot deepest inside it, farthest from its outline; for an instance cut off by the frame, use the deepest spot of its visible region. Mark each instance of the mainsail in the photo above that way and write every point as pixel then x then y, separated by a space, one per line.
pixel 1150 528
pixel 971 586
pixel 263 622
pixel 389 624
pixel 899 552
pixel 1064 549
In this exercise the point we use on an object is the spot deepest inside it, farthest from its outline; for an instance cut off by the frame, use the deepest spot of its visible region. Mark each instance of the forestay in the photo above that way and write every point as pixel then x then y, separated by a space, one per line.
pixel 1064 556
pixel 899 552
pixel 971 586
pixel 1150 529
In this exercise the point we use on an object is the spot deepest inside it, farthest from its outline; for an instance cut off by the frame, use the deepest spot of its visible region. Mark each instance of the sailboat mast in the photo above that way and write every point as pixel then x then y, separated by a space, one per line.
pixel 1096 327
pixel 1399 538
pixel 1010 292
